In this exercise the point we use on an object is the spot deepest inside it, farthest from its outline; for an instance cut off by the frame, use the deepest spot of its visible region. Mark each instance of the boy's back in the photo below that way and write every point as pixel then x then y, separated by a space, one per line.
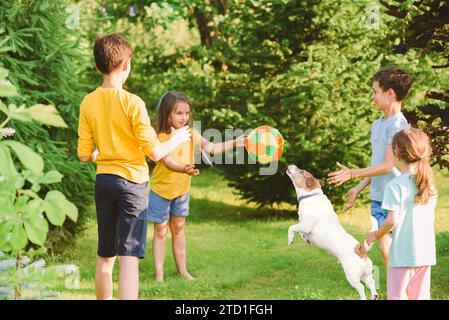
pixel 117 123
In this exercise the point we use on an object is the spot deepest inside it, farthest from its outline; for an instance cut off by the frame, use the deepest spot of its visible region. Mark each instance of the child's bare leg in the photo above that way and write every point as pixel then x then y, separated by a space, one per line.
pixel 160 234
pixel 103 278
pixel 179 245
pixel 384 244
pixel 128 285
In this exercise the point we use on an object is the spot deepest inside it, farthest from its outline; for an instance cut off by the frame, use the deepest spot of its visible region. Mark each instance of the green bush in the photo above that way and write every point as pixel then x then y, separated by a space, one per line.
pixel 41 54
pixel 22 203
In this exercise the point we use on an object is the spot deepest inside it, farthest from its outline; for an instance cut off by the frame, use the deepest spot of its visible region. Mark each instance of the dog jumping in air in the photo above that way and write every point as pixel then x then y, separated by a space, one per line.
pixel 319 225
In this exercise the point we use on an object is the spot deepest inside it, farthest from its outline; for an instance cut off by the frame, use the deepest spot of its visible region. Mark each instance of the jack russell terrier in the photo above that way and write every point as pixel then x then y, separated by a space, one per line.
pixel 318 224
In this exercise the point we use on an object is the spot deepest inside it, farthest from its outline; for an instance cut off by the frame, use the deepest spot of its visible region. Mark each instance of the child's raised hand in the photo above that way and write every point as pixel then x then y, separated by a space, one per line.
pixel 341 176
pixel 352 196
pixel 240 141
pixel 180 135
pixel 190 170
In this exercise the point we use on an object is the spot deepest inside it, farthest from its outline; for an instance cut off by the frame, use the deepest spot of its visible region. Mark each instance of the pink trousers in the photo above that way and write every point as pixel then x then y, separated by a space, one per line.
pixel 410 283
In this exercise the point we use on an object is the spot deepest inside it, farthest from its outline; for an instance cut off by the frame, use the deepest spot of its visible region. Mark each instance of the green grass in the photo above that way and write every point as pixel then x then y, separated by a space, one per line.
pixel 237 251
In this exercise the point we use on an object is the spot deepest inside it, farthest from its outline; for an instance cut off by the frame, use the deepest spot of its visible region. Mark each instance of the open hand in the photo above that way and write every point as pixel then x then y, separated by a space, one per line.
pixel 352 196
pixel 341 176
pixel 190 170
pixel 180 135
pixel 360 250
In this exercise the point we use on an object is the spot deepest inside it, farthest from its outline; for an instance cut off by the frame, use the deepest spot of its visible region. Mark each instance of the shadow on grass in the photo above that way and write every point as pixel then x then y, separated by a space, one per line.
pixel 206 210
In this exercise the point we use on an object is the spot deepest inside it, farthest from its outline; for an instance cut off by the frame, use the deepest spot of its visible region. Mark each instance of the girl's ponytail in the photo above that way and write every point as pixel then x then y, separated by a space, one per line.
pixel 424 181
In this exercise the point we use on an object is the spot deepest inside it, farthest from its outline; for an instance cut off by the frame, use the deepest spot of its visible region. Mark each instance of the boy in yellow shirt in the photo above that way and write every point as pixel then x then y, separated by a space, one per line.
pixel 116 122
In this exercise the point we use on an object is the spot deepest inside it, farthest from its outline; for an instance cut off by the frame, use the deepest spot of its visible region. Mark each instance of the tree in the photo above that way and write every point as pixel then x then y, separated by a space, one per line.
pixel 425 26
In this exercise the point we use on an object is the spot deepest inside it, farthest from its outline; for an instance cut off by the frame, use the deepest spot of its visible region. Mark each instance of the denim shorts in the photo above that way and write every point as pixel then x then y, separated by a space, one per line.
pixel 159 208
pixel 121 216
pixel 377 212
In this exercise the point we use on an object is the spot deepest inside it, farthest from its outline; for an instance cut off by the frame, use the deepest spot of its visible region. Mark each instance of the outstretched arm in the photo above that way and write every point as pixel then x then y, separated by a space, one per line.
pixel 214 148
pixel 345 174
pixel 389 224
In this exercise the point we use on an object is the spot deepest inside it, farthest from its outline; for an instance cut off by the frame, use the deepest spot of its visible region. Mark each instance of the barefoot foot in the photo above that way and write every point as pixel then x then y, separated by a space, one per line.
pixel 187 276
pixel 159 278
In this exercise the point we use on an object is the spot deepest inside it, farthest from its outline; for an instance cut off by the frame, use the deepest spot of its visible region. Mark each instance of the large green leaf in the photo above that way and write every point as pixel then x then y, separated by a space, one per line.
pixel 3 73
pixel 7 168
pixel 71 210
pixel 7 209
pixel 33 178
pixel 18 113
pixel 7 89
pixel 18 181
pixel 46 114
pixel 30 159
pixel 37 230
pixel 9 186
pixel 51 177
pixel 5 230
pixel 3 108
pixel 57 207
pixel 35 224
pixel 19 237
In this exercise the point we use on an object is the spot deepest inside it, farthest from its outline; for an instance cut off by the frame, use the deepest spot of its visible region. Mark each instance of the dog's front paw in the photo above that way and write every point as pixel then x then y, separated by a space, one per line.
pixel 291 238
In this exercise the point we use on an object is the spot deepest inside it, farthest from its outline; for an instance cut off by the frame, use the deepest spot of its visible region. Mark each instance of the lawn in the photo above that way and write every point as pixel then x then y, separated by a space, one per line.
pixel 237 251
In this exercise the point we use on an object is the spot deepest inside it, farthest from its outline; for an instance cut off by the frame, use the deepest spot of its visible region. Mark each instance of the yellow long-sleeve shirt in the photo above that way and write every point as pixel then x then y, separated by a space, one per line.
pixel 170 184
pixel 117 123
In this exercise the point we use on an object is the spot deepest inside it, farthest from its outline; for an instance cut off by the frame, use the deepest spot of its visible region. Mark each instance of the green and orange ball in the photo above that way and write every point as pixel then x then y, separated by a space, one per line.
pixel 264 144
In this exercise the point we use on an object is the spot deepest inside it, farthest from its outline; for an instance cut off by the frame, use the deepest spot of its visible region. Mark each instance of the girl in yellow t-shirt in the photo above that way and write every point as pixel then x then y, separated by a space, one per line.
pixel 170 181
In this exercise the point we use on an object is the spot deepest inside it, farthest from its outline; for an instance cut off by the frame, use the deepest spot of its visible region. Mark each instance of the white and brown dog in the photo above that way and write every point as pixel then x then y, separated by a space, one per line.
pixel 318 224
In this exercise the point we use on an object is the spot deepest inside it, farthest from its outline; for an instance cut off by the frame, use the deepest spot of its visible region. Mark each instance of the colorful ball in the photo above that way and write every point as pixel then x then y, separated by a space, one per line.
pixel 264 144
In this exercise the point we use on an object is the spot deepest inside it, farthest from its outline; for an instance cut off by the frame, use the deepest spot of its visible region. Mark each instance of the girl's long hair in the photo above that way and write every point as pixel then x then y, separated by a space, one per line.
pixel 165 107
pixel 413 146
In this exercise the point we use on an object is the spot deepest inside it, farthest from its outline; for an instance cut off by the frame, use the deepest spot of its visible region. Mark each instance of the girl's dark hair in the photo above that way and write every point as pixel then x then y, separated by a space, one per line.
pixel 165 107
pixel 412 145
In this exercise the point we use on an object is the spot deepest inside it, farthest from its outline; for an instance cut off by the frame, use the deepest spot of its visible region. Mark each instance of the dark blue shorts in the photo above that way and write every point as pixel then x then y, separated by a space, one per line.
pixel 378 213
pixel 121 216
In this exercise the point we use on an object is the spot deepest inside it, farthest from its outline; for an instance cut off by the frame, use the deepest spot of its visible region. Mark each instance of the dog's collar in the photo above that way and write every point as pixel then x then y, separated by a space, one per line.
pixel 308 196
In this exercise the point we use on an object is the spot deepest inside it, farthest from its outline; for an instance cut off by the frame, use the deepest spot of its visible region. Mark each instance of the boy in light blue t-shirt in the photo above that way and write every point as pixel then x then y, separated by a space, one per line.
pixel 390 87
pixel 410 200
